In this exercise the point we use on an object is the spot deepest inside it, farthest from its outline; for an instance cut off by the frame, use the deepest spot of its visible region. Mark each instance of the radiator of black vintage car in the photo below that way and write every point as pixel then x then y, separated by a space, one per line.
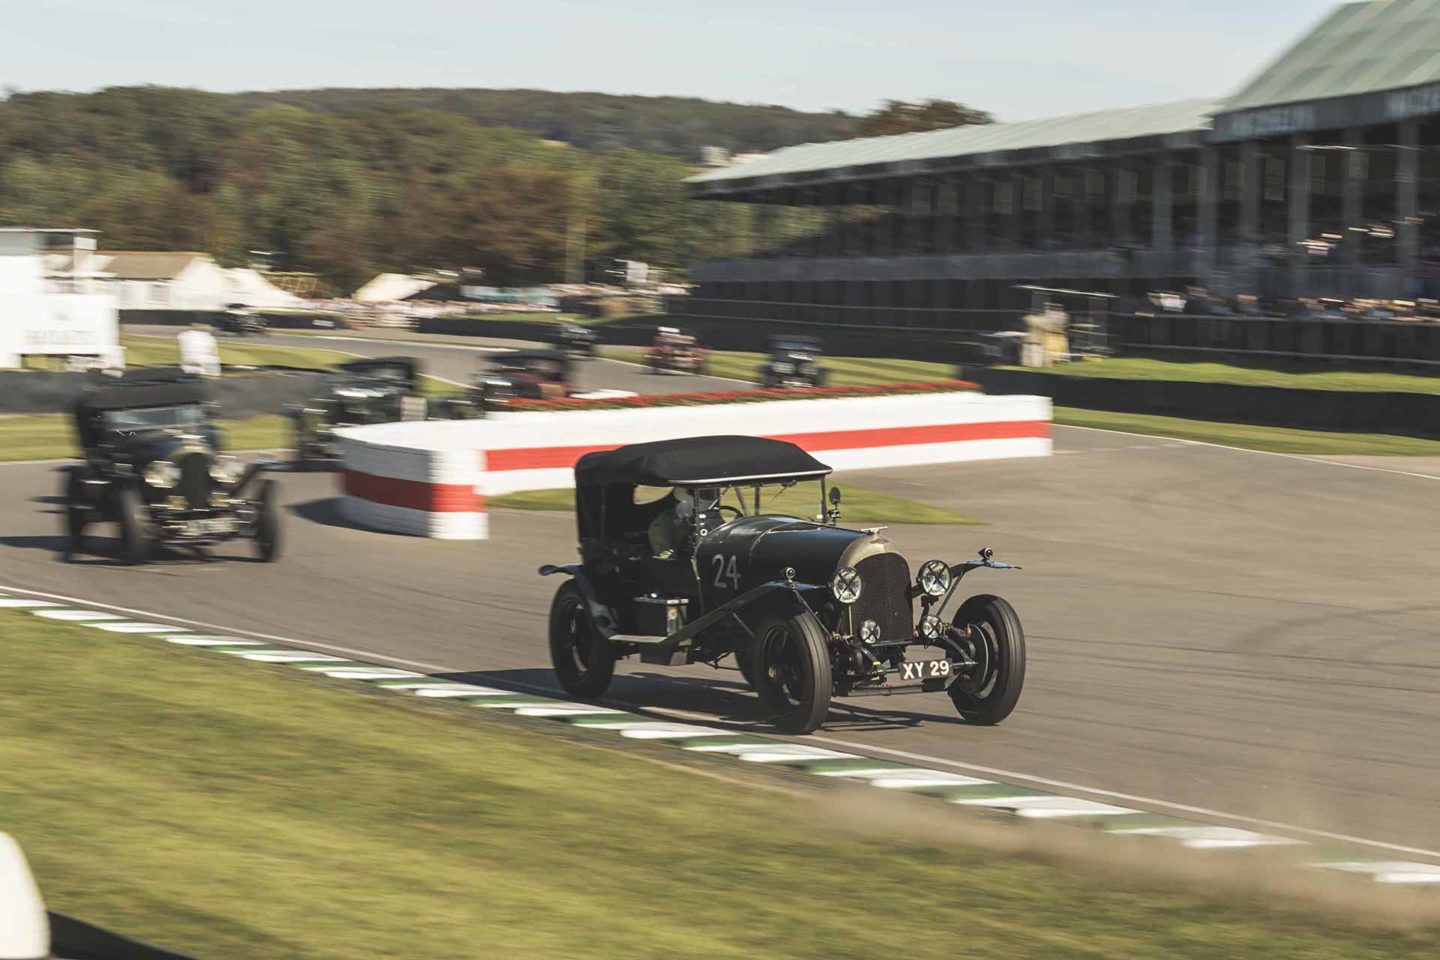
pixel 885 596
pixel 194 483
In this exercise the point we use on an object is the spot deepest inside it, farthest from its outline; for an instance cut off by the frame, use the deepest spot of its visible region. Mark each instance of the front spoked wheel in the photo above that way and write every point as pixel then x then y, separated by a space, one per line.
pixel 790 669
pixel 584 661
pixel 992 636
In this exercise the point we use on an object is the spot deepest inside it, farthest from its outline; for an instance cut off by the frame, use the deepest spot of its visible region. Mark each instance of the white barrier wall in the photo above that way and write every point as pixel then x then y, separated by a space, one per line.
pixel 431 478
pixel 24 927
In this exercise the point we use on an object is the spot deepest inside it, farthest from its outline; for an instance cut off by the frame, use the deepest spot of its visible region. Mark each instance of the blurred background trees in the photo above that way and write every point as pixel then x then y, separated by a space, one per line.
pixel 347 183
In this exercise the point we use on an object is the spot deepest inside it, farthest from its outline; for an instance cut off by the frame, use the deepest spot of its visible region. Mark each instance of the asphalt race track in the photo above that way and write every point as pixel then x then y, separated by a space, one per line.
pixel 458 362
pixel 1246 633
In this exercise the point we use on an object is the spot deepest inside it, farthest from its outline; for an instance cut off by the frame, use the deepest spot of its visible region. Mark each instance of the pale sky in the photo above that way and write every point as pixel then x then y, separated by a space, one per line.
pixel 1021 59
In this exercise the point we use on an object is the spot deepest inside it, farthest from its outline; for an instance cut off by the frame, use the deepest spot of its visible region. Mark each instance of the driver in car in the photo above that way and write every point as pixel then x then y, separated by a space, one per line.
pixel 671 528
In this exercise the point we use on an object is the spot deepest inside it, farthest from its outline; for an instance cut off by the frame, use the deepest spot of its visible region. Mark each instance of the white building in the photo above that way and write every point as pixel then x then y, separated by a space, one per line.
pixel 52 300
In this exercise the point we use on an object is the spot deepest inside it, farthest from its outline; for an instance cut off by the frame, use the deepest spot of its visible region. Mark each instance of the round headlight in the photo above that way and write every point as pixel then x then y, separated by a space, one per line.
pixel 162 474
pixel 934 578
pixel 846 585
pixel 931 627
pixel 869 631
pixel 226 470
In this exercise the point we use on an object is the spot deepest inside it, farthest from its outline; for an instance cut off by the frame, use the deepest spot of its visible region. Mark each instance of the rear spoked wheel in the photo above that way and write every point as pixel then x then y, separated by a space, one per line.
pixel 991 635
pixel 584 661
pixel 790 670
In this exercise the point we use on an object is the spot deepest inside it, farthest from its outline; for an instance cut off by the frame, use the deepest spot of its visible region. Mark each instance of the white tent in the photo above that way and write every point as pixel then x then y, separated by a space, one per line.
pixel 390 287
pixel 252 289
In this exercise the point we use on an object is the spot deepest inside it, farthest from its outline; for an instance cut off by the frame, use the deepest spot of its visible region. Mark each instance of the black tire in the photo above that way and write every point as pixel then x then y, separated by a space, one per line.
pixel 998 644
pixel 790 666
pixel 135 545
pixel 743 660
pixel 267 523
pixel 584 661
pixel 822 377
pixel 76 516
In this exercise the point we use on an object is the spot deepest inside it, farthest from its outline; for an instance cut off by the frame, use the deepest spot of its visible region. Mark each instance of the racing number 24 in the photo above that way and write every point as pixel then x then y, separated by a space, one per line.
pixel 724 571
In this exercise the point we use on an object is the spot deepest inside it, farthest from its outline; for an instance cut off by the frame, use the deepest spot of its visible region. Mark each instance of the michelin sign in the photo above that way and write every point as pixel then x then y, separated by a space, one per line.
pixel 61 324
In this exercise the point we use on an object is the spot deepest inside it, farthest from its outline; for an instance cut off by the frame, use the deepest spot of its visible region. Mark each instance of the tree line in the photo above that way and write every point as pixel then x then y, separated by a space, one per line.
pixel 349 186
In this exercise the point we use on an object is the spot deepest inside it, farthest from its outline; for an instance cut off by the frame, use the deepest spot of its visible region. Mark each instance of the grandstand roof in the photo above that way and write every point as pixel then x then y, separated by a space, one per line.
pixel 1359 48
pixel 995 141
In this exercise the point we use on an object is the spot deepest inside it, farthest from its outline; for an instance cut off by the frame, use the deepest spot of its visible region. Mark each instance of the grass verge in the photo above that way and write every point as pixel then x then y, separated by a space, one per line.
pixel 844 371
pixel 51 436
pixel 861 507
pixel 226 809
pixel 1294 376
pixel 1250 437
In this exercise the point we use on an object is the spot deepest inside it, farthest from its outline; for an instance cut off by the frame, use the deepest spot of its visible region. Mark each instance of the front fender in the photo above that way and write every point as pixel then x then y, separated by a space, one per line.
pixel 603 616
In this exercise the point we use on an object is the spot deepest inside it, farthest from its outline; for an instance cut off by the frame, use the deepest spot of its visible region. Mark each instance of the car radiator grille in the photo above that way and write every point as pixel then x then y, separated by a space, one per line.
pixel 885 597
pixel 194 484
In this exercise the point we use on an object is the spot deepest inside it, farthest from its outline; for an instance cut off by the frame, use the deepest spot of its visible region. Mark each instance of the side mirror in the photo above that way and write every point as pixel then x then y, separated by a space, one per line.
pixel 834 496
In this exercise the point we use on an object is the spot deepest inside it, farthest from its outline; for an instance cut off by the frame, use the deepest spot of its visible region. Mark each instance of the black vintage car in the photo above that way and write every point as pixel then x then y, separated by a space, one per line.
pixel 153 465
pixel 574 339
pixel 794 361
pixel 537 374
pixel 372 390
pixel 240 320
pixel 809 609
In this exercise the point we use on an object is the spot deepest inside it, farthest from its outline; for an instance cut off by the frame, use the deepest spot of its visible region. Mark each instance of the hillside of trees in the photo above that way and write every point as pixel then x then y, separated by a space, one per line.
pixel 676 126
pixel 346 194
pixel 348 183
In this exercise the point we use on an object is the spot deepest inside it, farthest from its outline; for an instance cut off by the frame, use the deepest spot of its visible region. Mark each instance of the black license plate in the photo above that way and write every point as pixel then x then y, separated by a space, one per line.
pixel 938 669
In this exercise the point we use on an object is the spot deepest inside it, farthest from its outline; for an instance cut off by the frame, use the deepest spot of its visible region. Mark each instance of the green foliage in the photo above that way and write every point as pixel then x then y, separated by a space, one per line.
pixel 348 183
pixel 676 126
pixel 898 116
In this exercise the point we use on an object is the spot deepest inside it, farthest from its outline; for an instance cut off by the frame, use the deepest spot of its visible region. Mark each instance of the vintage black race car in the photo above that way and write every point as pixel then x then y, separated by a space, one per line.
pixel 538 374
pixel 372 390
pixel 794 361
pixel 153 464
pixel 809 610
pixel 574 339
pixel 240 320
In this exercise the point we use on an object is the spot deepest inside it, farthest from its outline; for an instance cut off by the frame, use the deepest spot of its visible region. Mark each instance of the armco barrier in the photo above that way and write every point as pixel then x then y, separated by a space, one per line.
pixel 431 478
pixel 1406 414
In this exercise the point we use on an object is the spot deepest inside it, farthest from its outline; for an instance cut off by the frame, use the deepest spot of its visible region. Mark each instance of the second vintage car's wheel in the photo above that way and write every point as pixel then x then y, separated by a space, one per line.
pixel 584 661
pixel 267 523
pixel 790 669
pixel 996 643
pixel 134 526
pixel 73 491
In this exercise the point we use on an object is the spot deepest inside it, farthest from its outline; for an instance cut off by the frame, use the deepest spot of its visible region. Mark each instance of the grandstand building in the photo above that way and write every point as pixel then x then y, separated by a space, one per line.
pixel 1321 176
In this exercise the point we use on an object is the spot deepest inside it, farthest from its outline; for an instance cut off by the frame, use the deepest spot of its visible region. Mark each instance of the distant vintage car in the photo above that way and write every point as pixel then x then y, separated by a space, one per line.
pixel 240 320
pixel 574 339
pixel 370 390
pixel 539 374
pixel 153 465
pixel 675 351
pixel 793 361
pixel 808 609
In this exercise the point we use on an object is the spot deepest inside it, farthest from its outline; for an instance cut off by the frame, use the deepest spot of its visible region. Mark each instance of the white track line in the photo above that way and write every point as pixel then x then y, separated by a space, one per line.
pixel 811 739
pixel 1263 453
pixel 1131 798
